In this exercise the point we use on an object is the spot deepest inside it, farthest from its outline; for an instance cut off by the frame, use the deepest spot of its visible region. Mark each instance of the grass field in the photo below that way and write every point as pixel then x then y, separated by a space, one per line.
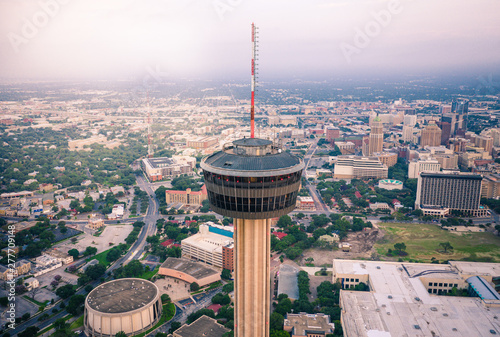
pixel 149 274
pixel 101 257
pixel 77 324
pixel 422 242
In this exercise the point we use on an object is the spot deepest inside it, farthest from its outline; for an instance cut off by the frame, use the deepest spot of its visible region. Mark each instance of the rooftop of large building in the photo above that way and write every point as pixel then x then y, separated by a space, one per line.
pixel 456 175
pixel 210 239
pixel 287 283
pixel 122 295
pixel 196 270
pixel 159 162
pixel 477 268
pixel 203 326
pixel 398 304
pixel 303 324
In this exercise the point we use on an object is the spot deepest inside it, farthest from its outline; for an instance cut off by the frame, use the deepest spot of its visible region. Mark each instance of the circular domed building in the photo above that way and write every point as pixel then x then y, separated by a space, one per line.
pixel 130 305
pixel 390 184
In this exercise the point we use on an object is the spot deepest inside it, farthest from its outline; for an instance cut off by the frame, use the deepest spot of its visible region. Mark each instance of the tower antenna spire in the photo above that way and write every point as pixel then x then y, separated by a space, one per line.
pixel 150 148
pixel 254 72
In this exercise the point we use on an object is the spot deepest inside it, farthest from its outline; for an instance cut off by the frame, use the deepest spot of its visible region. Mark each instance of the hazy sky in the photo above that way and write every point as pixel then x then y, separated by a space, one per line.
pixel 211 38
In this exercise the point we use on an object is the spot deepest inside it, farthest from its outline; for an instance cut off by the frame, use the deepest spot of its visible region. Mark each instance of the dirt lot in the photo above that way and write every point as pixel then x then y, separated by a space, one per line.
pixel 112 233
pixel 361 247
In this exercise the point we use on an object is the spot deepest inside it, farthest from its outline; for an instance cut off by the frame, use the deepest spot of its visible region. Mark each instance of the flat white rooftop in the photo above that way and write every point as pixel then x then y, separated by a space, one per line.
pixel 399 304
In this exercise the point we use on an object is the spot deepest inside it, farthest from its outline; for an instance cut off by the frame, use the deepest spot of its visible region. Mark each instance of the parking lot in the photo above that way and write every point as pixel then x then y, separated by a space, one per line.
pixel 114 234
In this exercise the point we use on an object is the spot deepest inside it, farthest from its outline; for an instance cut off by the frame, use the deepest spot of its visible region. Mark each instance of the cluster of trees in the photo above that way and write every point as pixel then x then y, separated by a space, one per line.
pixel 297 240
pixel 30 150
pixel 92 273
pixel 37 238
pixel 491 203
pixel 132 269
pixel 340 189
pixel 132 237
pixel 143 197
pixel 183 182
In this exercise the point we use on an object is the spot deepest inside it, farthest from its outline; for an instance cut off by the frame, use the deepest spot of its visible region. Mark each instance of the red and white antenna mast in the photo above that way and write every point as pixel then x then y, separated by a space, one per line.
pixel 150 150
pixel 254 72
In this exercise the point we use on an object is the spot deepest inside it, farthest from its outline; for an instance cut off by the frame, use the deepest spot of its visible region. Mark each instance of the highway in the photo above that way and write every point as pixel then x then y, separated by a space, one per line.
pixel 318 201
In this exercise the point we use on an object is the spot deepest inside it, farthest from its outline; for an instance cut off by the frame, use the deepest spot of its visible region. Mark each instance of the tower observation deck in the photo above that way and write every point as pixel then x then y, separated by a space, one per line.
pixel 252 180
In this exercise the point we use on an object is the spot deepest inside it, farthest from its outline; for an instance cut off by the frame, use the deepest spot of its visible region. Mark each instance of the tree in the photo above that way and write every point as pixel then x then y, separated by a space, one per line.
pixel 60 324
pixel 284 221
pixel 74 252
pixel 165 298
pixel 226 274
pixel 89 251
pixel 281 333
pixel 95 272
pixel 121 334
pixel 194 286
pixel 400 248
pixel 195 315
pixel 75 305
pixel 29 332
pixel 227 288
pixel 221 299
pixel 114 254
pixel 446 246
pixel 276 321
pixel 65 291
pixel 174 326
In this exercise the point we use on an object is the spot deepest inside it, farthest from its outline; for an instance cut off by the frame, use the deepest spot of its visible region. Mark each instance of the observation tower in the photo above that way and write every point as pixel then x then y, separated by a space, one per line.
pixel 252 180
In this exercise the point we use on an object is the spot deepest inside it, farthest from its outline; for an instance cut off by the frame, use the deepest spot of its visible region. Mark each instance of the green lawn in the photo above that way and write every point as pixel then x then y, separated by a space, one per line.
pixel 78 323
pixel 422 242
pixel 149 274
pixel 169 308
pixel 101 257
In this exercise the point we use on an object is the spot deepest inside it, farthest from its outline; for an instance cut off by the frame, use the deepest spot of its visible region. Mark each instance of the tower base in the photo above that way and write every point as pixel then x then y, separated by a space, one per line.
pixel 252 284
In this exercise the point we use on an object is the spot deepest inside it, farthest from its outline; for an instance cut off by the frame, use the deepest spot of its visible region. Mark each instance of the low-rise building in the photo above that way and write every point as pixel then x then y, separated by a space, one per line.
pixel 199 143
pixel 207 245
pixel 189 271
pixel 308 325
pixel 63 257
pixel 186 197
pixel 162 168
pixel 305 204
pixel 95 222
pixel 379 205
pixel 31 283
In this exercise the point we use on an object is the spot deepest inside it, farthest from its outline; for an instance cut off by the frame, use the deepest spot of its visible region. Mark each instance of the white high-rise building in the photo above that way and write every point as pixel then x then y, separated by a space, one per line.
pixel 416 167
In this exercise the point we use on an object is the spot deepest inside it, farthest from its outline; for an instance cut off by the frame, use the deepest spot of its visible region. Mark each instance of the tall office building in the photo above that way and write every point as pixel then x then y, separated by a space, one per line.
pixel 431 135
pixel 455 191
pixel 252 181
pixel 484 142
pixel 445 132
pixel 376 140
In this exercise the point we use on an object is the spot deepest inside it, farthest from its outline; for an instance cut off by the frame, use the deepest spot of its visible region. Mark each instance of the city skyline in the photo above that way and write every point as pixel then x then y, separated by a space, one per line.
pixel 56 39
